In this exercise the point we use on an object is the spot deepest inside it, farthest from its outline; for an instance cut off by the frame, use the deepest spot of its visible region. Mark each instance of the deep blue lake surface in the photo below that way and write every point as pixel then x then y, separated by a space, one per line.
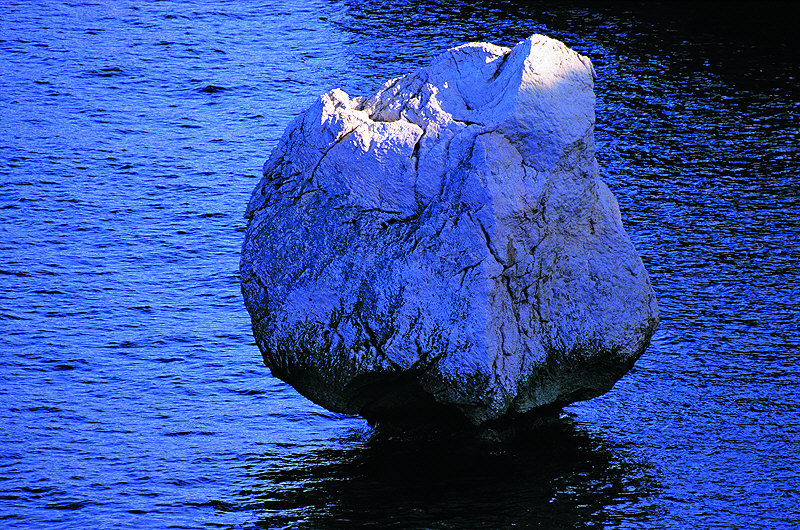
pixel 132 394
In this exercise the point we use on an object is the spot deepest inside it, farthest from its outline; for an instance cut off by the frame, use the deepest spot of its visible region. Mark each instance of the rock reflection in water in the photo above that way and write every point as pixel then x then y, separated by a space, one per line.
pixel 561 476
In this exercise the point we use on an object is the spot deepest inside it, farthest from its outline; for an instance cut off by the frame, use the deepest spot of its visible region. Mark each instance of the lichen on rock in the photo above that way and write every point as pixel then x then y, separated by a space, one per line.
pixel 444 250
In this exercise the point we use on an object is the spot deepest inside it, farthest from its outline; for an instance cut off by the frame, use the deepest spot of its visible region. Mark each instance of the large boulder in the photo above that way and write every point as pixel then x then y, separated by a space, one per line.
pixel 444 250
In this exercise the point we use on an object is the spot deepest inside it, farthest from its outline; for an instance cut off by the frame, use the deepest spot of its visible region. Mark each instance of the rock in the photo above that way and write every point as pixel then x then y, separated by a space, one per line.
pixel 444 251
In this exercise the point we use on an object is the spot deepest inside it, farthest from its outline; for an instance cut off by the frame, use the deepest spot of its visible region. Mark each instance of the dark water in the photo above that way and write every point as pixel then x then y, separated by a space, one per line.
pixel 132 395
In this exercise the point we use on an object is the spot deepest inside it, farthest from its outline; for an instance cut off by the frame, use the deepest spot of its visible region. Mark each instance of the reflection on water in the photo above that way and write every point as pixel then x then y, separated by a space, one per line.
pixel 562 476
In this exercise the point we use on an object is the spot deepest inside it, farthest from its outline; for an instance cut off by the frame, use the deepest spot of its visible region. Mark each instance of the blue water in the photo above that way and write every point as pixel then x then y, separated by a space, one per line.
pixel 132 394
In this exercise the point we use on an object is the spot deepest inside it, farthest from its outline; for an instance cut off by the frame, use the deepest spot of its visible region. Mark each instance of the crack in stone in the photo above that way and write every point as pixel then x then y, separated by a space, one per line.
pixel 296 198
pixel 488 240
pixel 378 343
pixel 501 65
pixel 465 270
pixel 328 150
pixel 415 156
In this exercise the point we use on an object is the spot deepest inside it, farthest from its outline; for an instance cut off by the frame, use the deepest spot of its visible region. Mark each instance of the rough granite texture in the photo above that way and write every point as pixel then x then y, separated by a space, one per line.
pixel 444 250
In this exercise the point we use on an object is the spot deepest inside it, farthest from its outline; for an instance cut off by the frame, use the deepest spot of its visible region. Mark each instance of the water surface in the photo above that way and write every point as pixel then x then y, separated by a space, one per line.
pixel 132 395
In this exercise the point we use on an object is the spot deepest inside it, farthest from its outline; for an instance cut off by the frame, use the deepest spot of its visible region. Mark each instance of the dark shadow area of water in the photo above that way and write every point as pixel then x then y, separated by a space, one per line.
pixel 560 476
pixel 738 41
pixel 758 23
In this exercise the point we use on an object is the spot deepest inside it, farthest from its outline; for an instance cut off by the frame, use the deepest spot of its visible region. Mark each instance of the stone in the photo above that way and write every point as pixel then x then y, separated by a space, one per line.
pixel 444 251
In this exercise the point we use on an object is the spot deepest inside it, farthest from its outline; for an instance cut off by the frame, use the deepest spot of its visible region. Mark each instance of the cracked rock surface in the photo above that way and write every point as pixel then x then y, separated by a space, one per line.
pixel 444 250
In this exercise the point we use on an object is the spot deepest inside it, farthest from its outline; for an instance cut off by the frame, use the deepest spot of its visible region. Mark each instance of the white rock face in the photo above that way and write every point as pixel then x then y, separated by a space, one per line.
pixel 444 250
